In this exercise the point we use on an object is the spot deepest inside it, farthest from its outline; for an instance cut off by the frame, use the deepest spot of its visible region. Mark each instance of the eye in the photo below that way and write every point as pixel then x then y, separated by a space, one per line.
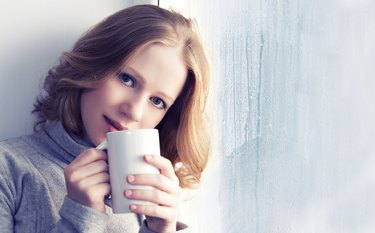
pixel 159 103
pixel 126 79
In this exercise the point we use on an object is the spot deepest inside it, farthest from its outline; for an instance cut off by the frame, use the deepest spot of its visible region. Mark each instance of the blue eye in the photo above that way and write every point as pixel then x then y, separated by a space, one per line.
pixel 126 79
pixel 159 103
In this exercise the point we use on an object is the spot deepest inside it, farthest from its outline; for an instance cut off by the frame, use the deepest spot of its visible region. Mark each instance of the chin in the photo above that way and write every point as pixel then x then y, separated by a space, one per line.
pixel 96 136
pixel 96 139
pixel 99 140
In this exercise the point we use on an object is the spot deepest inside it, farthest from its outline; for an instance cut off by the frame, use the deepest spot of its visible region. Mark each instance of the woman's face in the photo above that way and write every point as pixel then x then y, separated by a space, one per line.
pixel 138 96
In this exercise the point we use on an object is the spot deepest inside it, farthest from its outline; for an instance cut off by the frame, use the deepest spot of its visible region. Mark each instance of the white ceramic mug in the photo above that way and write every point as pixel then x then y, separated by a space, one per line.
pixel 126 150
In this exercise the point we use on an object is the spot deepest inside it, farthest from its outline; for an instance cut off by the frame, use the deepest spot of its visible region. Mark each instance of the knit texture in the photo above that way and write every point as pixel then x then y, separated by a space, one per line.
pixel 33 192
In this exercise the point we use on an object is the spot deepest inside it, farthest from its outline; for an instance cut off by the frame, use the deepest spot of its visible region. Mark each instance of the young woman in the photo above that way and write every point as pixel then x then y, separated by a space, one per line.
pixel 143 67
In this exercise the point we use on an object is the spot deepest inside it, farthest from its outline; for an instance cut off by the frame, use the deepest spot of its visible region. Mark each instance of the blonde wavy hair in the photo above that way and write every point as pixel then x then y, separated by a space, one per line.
pixel 103 49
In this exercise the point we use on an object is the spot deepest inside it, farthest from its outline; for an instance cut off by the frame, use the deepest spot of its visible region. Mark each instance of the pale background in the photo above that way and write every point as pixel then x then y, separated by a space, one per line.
pixel 294 118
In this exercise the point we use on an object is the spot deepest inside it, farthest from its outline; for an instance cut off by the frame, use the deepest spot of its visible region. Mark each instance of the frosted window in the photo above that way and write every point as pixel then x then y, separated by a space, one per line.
pixel 295 109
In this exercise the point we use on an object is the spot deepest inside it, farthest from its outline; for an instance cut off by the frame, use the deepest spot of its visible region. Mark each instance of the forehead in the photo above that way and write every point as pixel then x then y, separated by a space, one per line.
pixel 162 68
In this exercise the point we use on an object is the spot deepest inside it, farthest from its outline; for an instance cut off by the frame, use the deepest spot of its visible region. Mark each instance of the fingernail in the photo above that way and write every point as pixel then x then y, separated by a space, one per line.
pixel 133 207
pixel 131 178
pixel 128 193
pixel 148 157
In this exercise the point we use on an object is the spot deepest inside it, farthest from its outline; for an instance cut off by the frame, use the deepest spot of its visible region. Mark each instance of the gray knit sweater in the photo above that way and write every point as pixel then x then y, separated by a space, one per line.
pixel 33 192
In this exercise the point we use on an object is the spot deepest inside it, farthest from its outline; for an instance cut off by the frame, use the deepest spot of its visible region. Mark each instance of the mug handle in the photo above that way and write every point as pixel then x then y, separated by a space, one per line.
pixel 108 199
pixel 102 146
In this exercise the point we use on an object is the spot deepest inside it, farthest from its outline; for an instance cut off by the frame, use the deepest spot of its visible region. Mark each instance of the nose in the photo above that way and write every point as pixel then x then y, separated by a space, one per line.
pixel 134 108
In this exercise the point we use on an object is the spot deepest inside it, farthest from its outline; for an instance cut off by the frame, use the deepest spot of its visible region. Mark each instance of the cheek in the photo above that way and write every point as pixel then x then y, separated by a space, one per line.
pixel 156 119
pixel 85 110
pixel 87 103
pixel 93 99
pixel 90 107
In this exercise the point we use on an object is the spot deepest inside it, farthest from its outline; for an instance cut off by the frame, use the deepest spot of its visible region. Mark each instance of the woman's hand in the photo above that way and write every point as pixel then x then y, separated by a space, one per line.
pixel 87 179
pixel 167 195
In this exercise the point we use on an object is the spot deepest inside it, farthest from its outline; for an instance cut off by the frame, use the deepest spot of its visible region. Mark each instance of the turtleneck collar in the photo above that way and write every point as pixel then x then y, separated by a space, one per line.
pixel 66 146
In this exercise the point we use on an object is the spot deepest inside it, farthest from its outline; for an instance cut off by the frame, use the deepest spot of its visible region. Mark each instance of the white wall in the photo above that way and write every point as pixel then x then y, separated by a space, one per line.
pixel 295 108
pixel 33 35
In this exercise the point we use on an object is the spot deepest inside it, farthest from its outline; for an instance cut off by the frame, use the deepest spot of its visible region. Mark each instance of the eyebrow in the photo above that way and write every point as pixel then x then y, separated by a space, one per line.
pixel 143 81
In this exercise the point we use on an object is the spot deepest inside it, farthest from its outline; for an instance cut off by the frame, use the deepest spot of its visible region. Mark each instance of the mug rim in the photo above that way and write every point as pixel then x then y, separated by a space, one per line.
pixel 129 131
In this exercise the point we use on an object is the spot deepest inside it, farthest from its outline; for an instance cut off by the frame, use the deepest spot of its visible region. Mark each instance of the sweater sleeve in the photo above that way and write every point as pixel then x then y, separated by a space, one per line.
pixel 6 205
pixel 79 218
pixel 180 228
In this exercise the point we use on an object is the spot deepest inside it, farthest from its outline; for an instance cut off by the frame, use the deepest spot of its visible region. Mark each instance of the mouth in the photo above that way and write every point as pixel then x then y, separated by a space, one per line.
pixel 114 125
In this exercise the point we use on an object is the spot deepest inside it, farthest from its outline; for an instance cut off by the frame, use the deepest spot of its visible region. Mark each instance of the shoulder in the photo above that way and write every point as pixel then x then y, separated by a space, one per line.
pixel 9 145
pixel 14 145
pixel 14 152
pixel 13 167
pixel 16 163
pixel 18 175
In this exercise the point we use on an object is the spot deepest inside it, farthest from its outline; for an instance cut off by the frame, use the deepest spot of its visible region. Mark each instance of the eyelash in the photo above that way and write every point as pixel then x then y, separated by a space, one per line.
pixel 164 106
pixel 129 78
pixel 121 76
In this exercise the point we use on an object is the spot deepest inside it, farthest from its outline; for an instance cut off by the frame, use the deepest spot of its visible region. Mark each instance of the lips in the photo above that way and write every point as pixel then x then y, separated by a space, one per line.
pixel 114 125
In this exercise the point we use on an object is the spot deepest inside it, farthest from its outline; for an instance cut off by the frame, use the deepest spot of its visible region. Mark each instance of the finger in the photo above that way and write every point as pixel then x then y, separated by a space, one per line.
pixel 74 174
pixel 89 156
pixel 163 164
pixel 92 169
pixel 157 181
pixel 98 178
pixel 162 212
pixel 99 190
pixel 156 196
